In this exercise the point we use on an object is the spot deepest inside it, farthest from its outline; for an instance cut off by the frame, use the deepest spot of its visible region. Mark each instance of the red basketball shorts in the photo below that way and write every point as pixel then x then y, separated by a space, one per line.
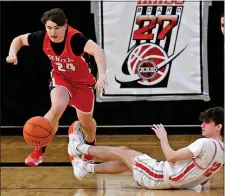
pixel 82 96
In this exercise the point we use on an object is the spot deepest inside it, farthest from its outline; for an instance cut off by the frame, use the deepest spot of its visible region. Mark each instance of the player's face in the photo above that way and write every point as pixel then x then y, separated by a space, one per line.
pixel 56 33
pixel 222 24
pixel 209 129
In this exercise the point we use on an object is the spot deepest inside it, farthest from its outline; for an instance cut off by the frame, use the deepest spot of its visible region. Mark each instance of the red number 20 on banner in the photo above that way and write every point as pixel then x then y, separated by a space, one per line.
pixel 153 20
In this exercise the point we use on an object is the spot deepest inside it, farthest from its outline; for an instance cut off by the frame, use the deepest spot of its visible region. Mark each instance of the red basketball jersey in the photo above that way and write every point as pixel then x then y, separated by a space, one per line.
pixel 72 68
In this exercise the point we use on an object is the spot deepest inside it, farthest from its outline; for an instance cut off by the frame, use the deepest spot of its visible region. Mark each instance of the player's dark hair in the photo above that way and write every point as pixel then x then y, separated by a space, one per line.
pixel 222 15
pixel 215 114
pixel 55 15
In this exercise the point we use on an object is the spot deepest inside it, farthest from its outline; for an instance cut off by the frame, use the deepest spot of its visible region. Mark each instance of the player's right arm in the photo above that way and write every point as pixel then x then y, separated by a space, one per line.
pixel 16 44
pixel 170 154
pixel 34 40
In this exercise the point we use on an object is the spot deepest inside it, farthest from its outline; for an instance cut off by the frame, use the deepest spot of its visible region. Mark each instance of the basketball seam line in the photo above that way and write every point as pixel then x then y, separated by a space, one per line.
pixel 37 136
pixel 50 128
pixel 41 127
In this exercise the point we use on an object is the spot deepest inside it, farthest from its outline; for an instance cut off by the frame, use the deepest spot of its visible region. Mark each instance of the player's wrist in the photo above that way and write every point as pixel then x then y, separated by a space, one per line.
pixel 12 54
pixel 164 139
pixel 101 74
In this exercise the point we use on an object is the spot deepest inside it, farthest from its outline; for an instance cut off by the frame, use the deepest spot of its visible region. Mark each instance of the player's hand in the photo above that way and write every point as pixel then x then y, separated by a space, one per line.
pixel 101 83
pixel 159 131
pixel 12 58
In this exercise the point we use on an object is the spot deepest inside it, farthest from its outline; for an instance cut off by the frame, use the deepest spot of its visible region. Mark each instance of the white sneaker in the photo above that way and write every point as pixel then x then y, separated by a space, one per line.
pixel 76 138
pixel 75 128
pixel 78 168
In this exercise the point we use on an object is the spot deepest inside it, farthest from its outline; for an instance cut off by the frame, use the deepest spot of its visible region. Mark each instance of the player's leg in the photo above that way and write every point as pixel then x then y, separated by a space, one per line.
pixel 76 146
pixel 88 125
pixel 59 100
pixel 82 168
pixel 109 167
pixel 60 97
pixel 123 157
pixel 124 160
pixel 107 153
pixel 83 101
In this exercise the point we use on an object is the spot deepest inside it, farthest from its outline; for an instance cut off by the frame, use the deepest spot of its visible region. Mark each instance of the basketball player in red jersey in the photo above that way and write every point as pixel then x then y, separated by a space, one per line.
pixel 72 82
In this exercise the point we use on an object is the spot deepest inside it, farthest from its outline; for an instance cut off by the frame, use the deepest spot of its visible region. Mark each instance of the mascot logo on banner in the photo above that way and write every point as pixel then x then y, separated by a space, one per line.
pixel 152 44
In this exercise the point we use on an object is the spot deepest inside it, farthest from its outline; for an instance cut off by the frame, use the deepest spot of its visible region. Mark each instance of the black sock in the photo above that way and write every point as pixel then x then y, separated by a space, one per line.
pixel 90 143
pixel 43 149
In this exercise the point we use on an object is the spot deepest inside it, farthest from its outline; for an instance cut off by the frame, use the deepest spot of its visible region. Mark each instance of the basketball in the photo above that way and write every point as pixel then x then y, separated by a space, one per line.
pixel 38 132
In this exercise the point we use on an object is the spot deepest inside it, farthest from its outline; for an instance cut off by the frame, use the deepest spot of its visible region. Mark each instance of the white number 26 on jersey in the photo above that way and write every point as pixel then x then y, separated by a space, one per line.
pixel 68 66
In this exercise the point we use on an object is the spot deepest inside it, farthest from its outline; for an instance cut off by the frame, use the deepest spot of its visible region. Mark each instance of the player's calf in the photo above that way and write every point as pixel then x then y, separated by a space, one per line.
pixel 89 129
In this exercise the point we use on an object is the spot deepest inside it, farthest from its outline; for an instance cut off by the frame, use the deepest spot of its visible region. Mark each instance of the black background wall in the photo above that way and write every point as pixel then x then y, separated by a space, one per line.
pixel 24 88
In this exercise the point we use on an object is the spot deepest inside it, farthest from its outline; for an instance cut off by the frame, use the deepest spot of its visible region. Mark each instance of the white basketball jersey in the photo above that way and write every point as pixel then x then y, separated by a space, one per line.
pixel 208 159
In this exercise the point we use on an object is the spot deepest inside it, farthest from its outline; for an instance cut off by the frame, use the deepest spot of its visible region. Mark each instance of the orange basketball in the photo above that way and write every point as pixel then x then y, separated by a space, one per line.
pixel 37 131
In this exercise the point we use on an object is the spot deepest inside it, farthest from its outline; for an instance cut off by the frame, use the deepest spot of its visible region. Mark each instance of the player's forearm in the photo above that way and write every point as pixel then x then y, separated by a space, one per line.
pixel 100 61
pixel 167 150
pixel 15 46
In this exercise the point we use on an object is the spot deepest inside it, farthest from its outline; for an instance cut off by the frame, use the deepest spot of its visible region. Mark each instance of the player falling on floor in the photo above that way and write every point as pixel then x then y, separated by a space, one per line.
pixel 72 82
pixel 185 168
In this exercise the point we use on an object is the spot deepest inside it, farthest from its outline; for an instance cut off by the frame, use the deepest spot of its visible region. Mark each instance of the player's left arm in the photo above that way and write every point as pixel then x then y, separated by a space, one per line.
pixel 82 44
pixel 95 50
pixel 170 154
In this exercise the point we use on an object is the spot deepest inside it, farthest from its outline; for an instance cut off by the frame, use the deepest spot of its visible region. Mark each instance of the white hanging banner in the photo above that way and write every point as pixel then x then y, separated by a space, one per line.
pixel 153 51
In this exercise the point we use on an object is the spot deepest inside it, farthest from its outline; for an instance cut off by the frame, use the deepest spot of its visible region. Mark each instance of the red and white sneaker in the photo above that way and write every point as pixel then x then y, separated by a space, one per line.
pixel 79 168
pixel 74 128
pixel 89 158
pixel 35 158
pixel 76 138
